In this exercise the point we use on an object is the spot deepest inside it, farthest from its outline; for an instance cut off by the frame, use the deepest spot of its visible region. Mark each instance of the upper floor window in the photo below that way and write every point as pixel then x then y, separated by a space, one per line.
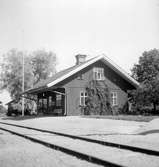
pixel 114 98
pixel 83 96
pixel 98 73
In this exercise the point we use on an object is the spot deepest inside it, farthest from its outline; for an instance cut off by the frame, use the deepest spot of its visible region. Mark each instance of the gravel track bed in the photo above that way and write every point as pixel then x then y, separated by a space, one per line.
pixel 18 152
pixel 118 156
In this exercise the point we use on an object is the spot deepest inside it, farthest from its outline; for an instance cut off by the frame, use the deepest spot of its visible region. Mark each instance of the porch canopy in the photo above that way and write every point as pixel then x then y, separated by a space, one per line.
pixel 49 100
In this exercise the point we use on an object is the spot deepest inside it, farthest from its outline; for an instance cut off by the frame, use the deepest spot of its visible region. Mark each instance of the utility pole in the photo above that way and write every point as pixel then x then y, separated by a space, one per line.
pixel 22 77
pixel 23 85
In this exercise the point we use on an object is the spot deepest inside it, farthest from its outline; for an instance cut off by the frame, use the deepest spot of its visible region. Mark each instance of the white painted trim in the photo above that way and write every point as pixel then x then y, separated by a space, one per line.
pixel 101 57
pixel 84 97
pixel 98 70
pixel 114 95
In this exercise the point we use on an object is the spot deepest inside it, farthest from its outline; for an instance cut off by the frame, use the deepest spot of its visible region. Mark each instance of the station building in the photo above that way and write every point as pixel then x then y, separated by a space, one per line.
pixel 65 93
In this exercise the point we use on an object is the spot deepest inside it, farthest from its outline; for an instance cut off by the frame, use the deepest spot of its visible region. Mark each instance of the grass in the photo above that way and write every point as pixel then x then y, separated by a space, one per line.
pixel 139 118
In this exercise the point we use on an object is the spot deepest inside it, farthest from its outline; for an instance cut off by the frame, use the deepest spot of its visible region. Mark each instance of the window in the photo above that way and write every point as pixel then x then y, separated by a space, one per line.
pixel 98 73
pixel 58 100
pixel 83 96
pixel 114 98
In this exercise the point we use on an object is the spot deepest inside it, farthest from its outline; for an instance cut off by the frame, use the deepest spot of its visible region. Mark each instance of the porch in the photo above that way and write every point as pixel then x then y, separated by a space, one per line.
pixel 52 102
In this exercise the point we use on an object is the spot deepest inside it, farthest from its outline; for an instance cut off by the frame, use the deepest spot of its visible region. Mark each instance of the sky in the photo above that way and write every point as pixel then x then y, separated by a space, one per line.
pixel 120 29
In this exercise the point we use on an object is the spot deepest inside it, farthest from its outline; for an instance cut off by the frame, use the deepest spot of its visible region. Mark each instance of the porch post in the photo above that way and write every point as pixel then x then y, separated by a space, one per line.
pixel 38 105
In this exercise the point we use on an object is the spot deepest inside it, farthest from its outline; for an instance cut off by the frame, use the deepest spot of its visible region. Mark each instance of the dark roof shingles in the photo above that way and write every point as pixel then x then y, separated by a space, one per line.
pixel 43 83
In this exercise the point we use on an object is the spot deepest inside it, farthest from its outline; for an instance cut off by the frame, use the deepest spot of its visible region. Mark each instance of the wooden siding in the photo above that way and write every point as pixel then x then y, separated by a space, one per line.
pixel 73 86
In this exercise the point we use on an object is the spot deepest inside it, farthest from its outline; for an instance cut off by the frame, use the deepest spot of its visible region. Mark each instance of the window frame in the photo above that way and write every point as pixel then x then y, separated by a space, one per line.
pixel 114 98
pixel 98 73
pixel 84 96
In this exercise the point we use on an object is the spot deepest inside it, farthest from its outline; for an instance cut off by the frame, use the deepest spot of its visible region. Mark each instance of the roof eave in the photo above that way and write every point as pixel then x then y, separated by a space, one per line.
pixel 121 72
pixel 35 90
pixel 108 61
pixel 104 58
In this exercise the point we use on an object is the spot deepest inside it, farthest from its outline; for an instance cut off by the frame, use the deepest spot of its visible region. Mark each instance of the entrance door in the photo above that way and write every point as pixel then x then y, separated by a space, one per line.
pixel 51 104
pixel 42 105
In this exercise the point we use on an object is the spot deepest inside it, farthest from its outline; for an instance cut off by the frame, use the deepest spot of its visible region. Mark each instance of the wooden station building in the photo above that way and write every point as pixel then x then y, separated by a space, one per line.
pixel 64 93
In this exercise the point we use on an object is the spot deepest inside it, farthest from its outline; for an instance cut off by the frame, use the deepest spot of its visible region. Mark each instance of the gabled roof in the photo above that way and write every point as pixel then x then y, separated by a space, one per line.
pixel 62 75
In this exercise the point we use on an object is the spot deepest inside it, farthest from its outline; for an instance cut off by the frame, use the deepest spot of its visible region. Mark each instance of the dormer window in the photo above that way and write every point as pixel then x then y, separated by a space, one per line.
pixel 98 73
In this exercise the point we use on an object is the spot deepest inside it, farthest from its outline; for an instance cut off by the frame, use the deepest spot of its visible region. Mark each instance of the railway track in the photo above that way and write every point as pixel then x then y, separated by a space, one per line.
pixel 76 145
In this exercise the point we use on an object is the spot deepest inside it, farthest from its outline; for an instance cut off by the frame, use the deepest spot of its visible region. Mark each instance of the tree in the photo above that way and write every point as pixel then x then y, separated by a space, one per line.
pixel 147 73
pixel 147 69
pixel 43 64
pixel 11 75
pixel 37 67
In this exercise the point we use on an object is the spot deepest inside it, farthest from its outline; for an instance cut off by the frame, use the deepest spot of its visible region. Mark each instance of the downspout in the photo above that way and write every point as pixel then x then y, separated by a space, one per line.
pixel 65 104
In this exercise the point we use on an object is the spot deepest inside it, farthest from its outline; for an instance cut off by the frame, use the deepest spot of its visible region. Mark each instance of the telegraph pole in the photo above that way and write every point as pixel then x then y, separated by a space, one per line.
pixel 22 77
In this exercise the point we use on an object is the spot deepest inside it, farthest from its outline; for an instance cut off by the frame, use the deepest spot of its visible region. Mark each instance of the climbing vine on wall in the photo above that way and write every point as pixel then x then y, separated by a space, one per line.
pixel 98 100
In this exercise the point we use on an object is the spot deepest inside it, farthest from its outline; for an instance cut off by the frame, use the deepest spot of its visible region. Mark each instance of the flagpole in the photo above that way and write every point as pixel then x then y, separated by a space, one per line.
pixel 22 76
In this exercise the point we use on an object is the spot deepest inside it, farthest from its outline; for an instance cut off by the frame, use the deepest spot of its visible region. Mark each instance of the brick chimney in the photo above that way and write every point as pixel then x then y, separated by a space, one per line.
pixel 80 59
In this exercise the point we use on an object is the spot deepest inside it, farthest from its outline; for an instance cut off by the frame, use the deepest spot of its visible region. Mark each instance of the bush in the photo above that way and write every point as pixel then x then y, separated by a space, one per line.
pixel 3 110
pixel 15 108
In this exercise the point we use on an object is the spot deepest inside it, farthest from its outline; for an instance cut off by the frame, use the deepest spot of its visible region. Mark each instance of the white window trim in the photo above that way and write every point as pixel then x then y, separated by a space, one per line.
pixel 98 73
pixel 84 97
pixel 114 98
